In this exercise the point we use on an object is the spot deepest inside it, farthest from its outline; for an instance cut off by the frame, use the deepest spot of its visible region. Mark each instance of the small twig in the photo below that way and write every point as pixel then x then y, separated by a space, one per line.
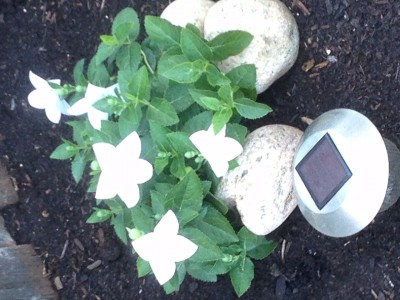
pixel 64 249
pixel 302 7
pixel 283 251
pixel 102 6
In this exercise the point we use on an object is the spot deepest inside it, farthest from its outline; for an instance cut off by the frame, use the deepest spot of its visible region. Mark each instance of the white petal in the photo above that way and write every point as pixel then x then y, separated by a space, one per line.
pixel 94 93
pixel 168 225
pixel 142 171
pixel 233 148
pixel 37 99
pixel 129 193
pixel 63 106
pixel 95 117
pixel 53 113
pixel 38 82
pixel 80 107
pixel 107 186
pixel 147 246
pixel 201 140
pixel 106 156
pixel 130 147
pixel 164 270
pixel 110 91
pixel 183 248
pixel 219 167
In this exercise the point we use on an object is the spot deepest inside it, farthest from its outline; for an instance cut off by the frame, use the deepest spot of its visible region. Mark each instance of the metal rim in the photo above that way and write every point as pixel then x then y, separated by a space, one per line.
pixel 356 204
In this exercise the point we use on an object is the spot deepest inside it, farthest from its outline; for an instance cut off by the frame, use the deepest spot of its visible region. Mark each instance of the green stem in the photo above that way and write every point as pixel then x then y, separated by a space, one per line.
pixel 146 62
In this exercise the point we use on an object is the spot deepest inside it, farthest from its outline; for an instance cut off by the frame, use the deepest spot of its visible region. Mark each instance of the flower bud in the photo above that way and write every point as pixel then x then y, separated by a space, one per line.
pixel 94 165
pixel 134 233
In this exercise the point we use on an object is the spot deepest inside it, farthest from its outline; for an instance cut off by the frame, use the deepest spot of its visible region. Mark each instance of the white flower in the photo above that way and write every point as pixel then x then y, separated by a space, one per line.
pixel 85 105
pixel 47 98
pixel 163 247
pixel 217 149
pixel 122 170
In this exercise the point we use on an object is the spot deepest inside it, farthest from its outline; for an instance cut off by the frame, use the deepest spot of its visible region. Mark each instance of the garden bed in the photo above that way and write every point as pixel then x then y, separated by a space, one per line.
pixel 356 50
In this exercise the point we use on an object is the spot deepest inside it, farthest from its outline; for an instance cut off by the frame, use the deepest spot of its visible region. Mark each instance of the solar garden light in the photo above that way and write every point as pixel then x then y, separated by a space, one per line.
pixel 345 173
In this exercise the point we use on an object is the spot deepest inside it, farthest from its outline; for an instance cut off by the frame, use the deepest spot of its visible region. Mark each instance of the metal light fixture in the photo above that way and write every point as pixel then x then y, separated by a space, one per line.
pixel 341 173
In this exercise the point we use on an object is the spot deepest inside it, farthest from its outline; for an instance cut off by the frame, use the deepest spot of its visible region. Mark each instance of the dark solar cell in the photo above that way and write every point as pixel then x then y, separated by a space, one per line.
pixel 323 171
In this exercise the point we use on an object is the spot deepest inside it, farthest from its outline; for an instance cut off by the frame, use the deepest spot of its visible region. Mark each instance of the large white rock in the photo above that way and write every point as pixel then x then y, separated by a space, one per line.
pixel 261 186
pixel 183 12
pixel 275 45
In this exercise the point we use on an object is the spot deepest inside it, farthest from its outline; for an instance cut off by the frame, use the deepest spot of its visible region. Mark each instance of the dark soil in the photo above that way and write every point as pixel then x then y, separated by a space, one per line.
pixel 48 37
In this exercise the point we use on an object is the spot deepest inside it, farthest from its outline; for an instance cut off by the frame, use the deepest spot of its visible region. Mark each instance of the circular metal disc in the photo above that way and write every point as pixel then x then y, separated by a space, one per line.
pixel 341 172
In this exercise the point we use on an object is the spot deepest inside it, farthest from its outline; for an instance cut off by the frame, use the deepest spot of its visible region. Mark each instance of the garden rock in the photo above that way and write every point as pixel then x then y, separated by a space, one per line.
pixel 8 195
pixel 275 45
pixel 183 12
pixel 261 187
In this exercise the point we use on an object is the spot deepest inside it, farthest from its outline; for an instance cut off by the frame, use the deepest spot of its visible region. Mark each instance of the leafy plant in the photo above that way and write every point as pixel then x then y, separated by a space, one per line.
pixel 163 99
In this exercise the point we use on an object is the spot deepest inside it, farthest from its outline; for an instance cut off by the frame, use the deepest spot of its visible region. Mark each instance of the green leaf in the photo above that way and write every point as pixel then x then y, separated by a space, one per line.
pixel 143 267
pixel 186 216
pixel 142 218
pixel 221 118
pixel 174 283
pixel 109 40
pixel 243 76
pixel 251 109
pixel 229 43
pixel 187 194
pixel 119 227
pixel 178 167
pixel 178 95
pixel 225 92
pixel 215 77
pixel 194 47
pixel 256 246
pixel 198 122
pixel 242 276
pixel 217 227
pixel 208 271
pixel 79 76
pixel 219 205
pixel 179 69
pixel 129 120
pixel 139 85
pixel 201 272
pixel 210 103
pixel 236 131
pixel 99 215
pixel 194 29
pixel 159 135
pixel 180 142
pixel 162 31
pixel 160 163
pixel 162 111
pixel 129 57
pixel 98 74
pixel 206 98
pixel 158 202
pixel 104 51
pixel 126 25
pixel 207 250
pixel 64 151
pixel 78 166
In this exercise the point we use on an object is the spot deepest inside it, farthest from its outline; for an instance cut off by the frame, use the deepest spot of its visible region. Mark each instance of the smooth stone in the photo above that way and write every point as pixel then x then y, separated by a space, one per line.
pixel 8 195
pixel 275 45
pixel 183 12
pixel 261 187
pixel 5 239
